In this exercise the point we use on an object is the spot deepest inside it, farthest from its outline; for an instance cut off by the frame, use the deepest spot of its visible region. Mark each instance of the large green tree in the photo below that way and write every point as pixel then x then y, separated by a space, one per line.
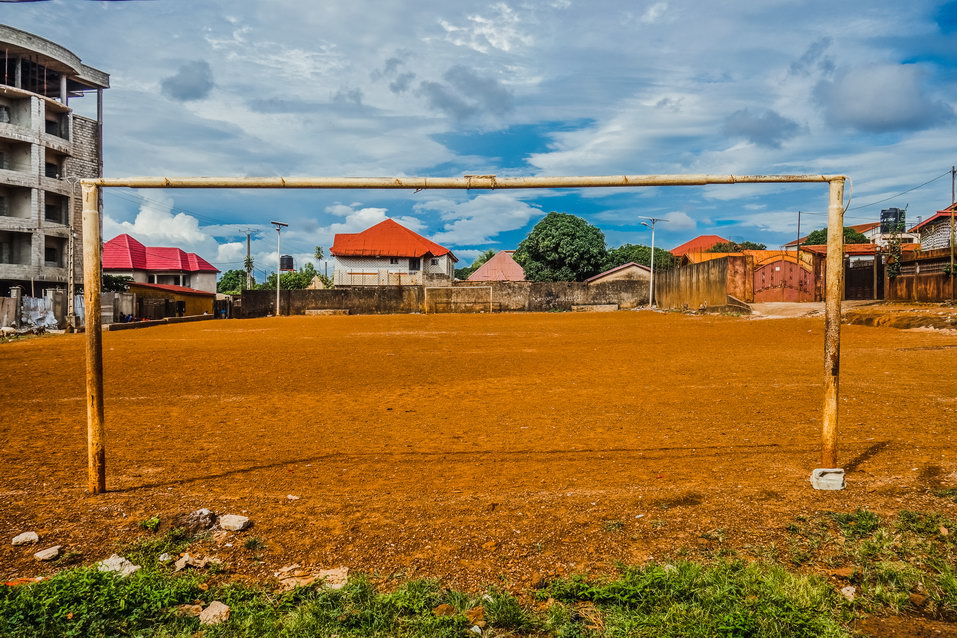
pixel 232 282
pixel 116 283
pixel 639 254
pixel 464 273
pixel 851 236
pixel 562 247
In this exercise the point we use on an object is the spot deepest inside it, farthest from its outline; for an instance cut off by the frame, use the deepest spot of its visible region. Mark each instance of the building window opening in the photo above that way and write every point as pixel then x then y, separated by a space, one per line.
pixel 415 264
pixel 435 262
pixel 393 260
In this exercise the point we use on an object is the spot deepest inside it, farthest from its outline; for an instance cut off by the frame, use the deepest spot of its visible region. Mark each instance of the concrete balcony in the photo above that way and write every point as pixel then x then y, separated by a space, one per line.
pixel 18 178
pixel 19 133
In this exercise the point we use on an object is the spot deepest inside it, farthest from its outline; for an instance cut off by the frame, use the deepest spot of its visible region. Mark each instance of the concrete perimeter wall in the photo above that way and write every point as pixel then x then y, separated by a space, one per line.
pixel 519 296
pixel 706 284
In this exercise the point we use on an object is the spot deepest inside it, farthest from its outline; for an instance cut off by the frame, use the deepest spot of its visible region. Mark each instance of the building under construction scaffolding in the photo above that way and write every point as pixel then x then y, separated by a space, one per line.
pixel 42 144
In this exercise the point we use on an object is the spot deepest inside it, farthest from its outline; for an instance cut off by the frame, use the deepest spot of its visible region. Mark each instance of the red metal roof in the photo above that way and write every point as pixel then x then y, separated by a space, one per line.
pixel 861 228
pixel 183 290
pixel 855 249
pixel 125 253
pixel 501 267
pixel 388 238
pixel 697 245
pixel 947 213
pixel 616 269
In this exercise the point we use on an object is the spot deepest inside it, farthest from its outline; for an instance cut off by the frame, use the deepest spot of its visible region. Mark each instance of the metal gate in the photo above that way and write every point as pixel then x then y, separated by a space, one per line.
pixel 783 280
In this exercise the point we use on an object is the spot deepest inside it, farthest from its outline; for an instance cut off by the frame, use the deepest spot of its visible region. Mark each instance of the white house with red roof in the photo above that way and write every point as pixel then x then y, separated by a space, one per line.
pixel 123 255
pixel 389 254
pixel 934 232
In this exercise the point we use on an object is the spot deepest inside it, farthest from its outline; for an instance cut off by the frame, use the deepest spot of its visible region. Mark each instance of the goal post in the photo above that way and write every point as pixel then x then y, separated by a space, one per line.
pixel 458 299
pixel 93 248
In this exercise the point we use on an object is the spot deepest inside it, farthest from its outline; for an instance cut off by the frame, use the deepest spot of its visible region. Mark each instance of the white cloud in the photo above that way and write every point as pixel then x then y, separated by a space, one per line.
pixel 480 219
pixel 881 98
pixel 654 13
pixel 499 31
pixel 678 220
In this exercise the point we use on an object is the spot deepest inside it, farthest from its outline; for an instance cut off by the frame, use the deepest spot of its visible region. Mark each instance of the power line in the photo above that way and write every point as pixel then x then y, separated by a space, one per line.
pixel 879 201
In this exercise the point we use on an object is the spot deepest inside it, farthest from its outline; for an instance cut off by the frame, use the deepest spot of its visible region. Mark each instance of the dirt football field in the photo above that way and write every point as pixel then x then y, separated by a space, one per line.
pixel 478 449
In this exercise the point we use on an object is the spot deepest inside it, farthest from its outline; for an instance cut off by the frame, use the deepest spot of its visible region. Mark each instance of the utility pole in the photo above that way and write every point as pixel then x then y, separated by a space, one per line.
pixel 279 226
pixel 248 263
pixel 651 287
pixel 798 245
pixel 953 213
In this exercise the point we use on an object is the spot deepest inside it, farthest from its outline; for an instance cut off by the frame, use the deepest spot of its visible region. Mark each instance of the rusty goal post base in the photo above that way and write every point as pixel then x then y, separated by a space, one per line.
pixel 93 269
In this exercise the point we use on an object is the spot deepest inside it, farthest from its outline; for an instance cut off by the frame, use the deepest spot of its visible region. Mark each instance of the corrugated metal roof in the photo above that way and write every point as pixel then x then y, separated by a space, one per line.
pixel 388 238
pixel 616 269
pixel 123 252
pixel 947 213
pixel 501 267
pixel 697 245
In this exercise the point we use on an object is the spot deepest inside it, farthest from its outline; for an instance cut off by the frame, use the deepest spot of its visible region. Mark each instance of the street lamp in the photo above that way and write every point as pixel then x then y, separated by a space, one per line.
pixel 279 226
pixel 651 224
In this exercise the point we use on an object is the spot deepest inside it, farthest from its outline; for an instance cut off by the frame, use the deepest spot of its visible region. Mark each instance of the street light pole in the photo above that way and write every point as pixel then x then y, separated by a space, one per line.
pixel 279 226
pixel 651 225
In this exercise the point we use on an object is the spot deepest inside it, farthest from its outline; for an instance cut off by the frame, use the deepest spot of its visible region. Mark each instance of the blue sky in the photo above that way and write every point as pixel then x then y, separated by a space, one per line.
pixel 550 87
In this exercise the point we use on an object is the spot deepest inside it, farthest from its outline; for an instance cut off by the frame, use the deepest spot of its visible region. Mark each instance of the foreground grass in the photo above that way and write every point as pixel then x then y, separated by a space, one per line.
pixel 904 565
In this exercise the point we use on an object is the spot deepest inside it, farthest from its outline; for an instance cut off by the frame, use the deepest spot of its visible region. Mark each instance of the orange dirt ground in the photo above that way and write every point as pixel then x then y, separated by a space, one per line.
pixel 478 449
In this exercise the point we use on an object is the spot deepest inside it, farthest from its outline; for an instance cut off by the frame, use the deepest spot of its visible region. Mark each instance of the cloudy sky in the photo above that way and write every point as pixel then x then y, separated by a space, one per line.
pixel 549 87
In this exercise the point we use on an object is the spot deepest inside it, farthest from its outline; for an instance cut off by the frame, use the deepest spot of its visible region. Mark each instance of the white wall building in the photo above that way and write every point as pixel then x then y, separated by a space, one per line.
pixel 389 254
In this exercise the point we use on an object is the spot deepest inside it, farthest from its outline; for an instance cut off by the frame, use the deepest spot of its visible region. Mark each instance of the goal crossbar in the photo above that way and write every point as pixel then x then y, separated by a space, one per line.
pixel 93 268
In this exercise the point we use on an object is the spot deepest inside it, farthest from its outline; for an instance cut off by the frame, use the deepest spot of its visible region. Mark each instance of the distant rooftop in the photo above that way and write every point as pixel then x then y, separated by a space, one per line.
pixel 42 63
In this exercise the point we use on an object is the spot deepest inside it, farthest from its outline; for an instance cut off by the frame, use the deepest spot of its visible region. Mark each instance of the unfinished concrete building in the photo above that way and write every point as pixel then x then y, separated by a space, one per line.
pixel 43 143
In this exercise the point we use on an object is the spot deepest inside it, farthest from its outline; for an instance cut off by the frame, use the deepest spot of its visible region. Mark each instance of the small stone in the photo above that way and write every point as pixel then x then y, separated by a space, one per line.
pixel 189 561
pixel 26 538
pixel 197 522
pixel 843 572
pixel 118 565
pixel 849 592
pixel 334 578
pixel 234 522
pixel 190 611
pixel 49 553
pixel 944 531
pixel 475 629
pixel 293 497
pixel 164 558
pixel 444 609
pixel 215 614
pixel 917 600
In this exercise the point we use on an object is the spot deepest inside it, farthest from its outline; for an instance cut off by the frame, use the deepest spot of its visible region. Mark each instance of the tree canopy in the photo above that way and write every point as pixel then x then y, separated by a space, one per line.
pixel 296 280
pixel 736 247
pixel 232 282
pixel 464 273
pixel 116 283
pixel 640 255
pixel 562 247
pixel 851 236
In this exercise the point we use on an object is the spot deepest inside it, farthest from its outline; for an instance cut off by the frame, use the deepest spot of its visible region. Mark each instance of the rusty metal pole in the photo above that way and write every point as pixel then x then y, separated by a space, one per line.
pixel 829 476
pixel 92 281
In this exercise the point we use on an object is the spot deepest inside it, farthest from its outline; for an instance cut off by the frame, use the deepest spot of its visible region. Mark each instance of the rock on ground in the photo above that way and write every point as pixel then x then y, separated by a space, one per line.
pixel 26 538
pixel 118 565
pixel 216 613
pixel 234 522
pixel 49 553
pixel 197 522
pixel 334 578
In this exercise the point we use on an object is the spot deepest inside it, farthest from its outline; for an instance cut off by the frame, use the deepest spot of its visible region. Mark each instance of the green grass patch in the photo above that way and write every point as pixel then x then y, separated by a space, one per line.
pixel 857 524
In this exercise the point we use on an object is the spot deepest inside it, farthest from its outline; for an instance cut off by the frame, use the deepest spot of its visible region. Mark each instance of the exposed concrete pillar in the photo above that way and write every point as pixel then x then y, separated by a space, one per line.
pixel 17 75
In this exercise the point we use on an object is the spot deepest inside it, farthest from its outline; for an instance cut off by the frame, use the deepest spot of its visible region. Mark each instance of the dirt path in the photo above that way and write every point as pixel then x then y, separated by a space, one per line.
pixel 472 448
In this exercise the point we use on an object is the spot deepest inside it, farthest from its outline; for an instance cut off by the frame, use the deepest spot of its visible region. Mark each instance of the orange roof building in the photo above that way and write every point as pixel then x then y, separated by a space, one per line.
pixel 389 254
pixel 699 244
pixel 934 232
pixel 501 267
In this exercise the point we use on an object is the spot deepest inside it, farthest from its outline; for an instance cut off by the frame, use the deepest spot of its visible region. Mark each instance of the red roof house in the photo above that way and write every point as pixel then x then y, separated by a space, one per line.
pixel 388 238
pixel 501 267
pixel 123 255
pixel 700 244
pixel 389 254
pixel 934 232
